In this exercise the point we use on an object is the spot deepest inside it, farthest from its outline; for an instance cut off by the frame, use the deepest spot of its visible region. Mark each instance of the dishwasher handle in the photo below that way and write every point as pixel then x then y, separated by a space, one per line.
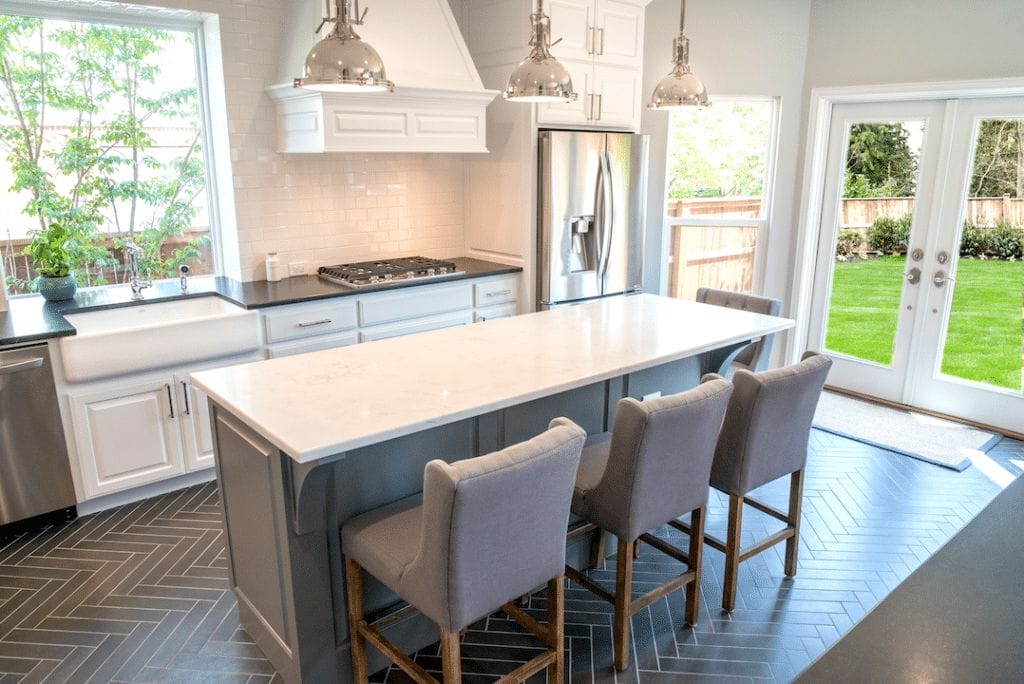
pixel 20 366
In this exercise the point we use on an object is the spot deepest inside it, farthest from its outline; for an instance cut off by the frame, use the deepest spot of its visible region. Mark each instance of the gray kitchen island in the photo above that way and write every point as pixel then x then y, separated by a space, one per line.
pixel 305 442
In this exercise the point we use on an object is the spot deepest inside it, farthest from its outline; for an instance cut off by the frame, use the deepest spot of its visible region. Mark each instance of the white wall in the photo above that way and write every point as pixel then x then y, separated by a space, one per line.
pixel 326 208
pixel 887 41
pixel 738 47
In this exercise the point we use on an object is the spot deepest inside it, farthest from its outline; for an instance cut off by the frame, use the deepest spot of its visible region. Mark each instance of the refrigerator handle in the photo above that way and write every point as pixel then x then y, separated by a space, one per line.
pixel 607 219
pixel 599 210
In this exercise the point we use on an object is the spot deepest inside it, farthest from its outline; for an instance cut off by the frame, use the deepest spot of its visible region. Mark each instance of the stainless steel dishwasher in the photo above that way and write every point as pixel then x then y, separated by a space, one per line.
pixel 35 476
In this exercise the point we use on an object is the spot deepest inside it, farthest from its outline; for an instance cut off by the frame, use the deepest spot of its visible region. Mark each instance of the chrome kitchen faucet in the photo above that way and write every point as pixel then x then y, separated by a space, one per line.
pixel 137 284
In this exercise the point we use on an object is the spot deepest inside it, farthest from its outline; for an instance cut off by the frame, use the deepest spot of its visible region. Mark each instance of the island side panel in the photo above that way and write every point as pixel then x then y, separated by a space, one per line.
pixel 282 579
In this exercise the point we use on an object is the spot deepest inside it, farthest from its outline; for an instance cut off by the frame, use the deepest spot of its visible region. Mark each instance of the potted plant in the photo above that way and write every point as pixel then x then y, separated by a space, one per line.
pixel 53 258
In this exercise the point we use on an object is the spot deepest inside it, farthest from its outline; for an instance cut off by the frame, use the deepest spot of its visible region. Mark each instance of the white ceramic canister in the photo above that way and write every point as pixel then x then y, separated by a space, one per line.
pixel 273 264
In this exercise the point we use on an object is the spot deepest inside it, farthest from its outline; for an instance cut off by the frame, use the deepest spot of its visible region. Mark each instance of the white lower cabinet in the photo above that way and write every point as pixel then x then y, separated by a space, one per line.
pixel 129 433
pixel 196 432
pixel 126 435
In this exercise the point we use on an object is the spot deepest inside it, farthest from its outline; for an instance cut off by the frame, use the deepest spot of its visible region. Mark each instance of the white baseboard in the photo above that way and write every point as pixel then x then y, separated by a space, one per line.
pixel 103 503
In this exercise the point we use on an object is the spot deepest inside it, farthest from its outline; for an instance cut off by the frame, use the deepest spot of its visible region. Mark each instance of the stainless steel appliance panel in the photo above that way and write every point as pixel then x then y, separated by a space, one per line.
pixel 35 476
pixel 624 215
pixel 571 198
pixel 592 187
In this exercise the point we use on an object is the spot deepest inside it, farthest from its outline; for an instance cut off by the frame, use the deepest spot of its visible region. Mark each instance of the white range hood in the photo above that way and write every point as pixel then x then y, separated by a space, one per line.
pixel 439 103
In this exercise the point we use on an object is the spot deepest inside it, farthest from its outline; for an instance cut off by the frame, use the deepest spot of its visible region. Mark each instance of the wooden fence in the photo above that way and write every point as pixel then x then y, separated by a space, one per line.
pixel 856 213
pixel 711 256
pixel 723 257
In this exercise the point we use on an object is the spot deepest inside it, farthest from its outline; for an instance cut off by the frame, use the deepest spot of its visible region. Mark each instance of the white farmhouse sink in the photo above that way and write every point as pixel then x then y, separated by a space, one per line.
pixel 135 338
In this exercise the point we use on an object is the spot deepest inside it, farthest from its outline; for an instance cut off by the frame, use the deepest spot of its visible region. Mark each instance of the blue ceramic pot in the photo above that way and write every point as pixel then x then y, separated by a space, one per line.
pixel 56 288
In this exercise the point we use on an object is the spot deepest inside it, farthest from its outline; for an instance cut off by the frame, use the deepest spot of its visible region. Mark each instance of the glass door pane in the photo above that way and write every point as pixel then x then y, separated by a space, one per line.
pixel 871 237
pixel 984 340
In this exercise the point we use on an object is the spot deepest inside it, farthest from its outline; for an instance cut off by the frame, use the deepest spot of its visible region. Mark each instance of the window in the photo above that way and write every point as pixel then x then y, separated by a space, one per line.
pixel 718 185
pixel 104 127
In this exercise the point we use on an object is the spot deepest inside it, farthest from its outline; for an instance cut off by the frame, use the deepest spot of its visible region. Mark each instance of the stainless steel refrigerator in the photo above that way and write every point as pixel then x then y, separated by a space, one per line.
pixel 590 237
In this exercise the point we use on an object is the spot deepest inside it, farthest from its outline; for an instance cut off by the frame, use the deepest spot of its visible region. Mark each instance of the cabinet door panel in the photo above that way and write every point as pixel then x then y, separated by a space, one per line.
pixel 579 111
pixel 126 437
pixel 620 33
pixel 196 434
pixel 572 21
pixel 619 96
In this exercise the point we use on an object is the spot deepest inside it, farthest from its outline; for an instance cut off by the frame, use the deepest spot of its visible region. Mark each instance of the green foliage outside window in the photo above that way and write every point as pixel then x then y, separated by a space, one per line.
pixel 75 102
pixel 719 151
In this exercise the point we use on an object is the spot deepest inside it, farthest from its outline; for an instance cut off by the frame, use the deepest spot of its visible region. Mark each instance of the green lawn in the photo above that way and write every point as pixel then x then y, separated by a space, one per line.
pixel 984 342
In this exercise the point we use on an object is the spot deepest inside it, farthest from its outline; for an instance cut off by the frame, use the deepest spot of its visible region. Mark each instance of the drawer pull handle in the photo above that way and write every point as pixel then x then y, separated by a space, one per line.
pixel 310 324
pixel 499 293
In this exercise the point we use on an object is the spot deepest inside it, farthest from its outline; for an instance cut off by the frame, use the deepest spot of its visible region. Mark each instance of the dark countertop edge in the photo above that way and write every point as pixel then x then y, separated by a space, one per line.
pixel 249 295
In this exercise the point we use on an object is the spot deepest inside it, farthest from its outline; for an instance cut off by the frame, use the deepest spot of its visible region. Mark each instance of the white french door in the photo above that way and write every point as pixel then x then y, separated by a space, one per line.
pixel 904 317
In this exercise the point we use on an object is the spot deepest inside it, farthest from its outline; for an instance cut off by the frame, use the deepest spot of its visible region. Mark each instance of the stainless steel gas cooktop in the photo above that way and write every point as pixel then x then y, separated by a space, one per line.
pixel 388 271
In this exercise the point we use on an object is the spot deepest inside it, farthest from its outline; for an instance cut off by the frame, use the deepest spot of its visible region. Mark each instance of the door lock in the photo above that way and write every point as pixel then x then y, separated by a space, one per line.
pixel 917 254
pixel 942 257
pixel 940 278
pixel 913 276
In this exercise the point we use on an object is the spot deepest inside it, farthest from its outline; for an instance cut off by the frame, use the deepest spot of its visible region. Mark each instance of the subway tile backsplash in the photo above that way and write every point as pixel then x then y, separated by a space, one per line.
pixel 319 208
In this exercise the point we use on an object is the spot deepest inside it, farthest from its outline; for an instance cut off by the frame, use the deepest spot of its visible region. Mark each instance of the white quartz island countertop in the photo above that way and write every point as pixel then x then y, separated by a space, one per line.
pixel 323 403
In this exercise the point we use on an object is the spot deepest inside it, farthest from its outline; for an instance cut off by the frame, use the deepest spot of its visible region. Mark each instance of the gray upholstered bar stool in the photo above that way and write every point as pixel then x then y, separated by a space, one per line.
pixel 764 437
pixel 485 531
pixel 752 357
pixel 652 468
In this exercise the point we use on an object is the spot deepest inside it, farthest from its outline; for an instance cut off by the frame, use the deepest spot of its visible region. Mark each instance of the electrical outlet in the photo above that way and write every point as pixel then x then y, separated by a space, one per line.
pixel 296 268
pixel 652 395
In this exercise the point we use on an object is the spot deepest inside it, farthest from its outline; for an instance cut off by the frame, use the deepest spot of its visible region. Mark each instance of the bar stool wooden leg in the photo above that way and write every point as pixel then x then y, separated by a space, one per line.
pixel 623 593
pixel 451 664
pixel 354 589
pixel 796 497
pixel 732 551
pixel 696 556
pixel 598 548
pixel 556 629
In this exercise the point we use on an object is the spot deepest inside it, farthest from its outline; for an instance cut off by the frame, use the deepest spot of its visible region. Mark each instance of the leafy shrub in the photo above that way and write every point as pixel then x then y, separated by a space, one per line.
pixel 848 242
pixel 1006 241
pixel 973 241
pixel 889 235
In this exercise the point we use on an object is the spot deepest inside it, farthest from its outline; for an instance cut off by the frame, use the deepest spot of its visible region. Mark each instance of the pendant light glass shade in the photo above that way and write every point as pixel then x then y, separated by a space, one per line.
pixel 680 89
pixel 342 62
pixel 540 77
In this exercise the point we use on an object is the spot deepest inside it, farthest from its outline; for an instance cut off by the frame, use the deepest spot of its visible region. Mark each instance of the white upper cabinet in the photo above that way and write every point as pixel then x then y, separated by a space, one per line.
pixel 600 42
pixel 620 33
pixel 611 67
pixel 572 22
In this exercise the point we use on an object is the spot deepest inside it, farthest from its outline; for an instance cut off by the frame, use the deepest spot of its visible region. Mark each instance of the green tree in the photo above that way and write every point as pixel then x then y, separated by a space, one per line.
pixel 718 152
pixel 999 159
pixel 879 161
pixel 75 101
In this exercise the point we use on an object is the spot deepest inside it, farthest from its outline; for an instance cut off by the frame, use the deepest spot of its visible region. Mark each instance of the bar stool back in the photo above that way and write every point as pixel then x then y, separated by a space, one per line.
pixel 485 531
pixel 752 357
pixel 765 437
pixel 652 468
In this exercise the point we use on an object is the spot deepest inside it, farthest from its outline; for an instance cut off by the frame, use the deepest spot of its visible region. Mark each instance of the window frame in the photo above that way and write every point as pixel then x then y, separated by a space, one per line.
pixel 762 225
pixel 213 120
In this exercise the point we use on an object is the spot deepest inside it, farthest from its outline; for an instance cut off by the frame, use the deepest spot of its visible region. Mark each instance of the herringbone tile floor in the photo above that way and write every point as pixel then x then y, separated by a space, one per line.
pixel 140 593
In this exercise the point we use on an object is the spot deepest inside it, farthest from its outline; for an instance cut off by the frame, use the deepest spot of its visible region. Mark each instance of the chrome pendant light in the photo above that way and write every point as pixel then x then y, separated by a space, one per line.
pixel 680 89
pixel 540 77
pixel 342 62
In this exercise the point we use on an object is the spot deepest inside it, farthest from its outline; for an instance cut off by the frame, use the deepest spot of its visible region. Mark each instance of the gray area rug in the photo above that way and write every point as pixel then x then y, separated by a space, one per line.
pixel 917 435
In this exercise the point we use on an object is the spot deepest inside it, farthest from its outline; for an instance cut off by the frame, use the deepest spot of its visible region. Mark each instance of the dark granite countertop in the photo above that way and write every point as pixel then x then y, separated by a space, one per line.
pixel 32 319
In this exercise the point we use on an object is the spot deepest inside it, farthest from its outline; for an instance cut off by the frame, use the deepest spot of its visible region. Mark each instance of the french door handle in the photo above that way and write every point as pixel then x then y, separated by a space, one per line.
pixel 913 276
pixel 940 278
